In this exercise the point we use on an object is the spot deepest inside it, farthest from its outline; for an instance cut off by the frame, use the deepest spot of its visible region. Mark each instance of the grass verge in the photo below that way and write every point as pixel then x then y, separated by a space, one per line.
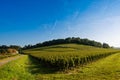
pixel 28 68
pixel 16 70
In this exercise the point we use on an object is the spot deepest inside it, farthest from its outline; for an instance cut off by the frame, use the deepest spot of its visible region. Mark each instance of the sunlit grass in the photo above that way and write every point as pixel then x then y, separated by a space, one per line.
pixel 16 70
pixel 104 69
pixel 30 68
pixel 68 55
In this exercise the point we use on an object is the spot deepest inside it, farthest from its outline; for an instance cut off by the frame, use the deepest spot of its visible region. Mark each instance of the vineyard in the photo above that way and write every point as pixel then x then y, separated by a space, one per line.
pixel 67 56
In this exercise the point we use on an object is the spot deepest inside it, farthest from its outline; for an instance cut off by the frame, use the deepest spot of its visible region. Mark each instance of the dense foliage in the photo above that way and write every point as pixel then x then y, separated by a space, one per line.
pixel 68 55
pixel 68 40
pixel 9 49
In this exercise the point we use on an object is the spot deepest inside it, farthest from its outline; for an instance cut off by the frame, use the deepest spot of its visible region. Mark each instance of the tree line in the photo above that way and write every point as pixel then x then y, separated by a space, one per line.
pixel 9 49
pixel 68 40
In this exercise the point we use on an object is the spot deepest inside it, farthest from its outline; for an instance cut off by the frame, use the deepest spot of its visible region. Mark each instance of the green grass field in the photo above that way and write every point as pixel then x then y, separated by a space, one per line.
pixel 28 68
pixel 16 70
pixel 104 69
pixel 31 68
pixel 68 55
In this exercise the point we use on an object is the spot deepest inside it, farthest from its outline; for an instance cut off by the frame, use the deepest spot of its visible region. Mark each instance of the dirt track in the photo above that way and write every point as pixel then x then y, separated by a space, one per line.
pixel 6 60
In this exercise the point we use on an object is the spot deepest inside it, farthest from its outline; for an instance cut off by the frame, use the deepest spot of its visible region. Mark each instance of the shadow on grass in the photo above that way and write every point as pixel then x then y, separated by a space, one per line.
pixel 35 67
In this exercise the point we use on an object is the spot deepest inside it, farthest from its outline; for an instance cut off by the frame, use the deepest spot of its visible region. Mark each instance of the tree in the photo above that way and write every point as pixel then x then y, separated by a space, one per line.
pixel 15 47
pixel 105 45
pixel 68 40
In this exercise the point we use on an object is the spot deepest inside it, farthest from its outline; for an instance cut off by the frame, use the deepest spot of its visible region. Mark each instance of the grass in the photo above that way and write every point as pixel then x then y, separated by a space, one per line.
pixel 104 69
pixel 28 68
pixel 16 70
pixel 24 68
pixel 68 55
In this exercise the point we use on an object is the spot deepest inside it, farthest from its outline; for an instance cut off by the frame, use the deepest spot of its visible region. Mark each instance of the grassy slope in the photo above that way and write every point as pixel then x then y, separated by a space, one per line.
pixel 27 68
pixel 16 70
pixel 103 69
pixel 80 73
pixel 66 49
pixel 68 55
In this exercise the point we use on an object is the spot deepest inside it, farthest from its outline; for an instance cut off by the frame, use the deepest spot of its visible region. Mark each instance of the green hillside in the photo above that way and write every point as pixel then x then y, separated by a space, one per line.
pixel 64 62
pixel 66 56
pixel 104 69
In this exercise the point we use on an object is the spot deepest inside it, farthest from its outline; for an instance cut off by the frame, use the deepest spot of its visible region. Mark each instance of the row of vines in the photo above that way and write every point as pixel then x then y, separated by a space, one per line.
pixel 53 58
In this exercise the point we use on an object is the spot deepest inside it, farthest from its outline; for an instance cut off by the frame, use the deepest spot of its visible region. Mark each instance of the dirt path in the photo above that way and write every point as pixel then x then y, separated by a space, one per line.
pixel 6 60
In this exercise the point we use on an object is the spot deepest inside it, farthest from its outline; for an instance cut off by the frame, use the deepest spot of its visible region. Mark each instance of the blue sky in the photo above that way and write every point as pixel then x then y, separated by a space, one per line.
pixel 31 21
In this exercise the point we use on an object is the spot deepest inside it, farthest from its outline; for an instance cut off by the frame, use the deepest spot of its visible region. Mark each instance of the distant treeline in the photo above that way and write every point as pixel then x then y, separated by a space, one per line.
pixel 9 49
pixel 67 41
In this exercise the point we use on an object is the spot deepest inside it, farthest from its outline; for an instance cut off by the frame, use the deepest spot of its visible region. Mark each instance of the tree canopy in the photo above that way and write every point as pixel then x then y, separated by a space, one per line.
pixel 9 49
pixel 67 41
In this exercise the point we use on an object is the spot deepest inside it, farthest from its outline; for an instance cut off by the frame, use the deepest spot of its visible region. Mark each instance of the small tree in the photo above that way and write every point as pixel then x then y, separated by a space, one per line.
pixel 105 45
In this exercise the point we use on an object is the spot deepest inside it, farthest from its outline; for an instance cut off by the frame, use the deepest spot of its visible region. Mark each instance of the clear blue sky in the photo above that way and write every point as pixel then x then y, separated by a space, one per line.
pixel 31 21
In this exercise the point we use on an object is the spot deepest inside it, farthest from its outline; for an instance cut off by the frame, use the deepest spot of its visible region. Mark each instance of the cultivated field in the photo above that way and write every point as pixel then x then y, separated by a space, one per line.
pixel 65 56
pixel 64 62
